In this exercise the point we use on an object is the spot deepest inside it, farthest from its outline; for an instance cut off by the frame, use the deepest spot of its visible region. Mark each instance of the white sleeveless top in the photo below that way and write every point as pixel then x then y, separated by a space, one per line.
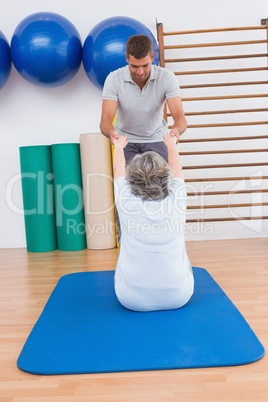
pixel 153 271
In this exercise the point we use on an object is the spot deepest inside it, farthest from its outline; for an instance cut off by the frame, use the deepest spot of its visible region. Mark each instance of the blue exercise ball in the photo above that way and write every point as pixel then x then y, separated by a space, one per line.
pixel 5 60
pixel 105 46
pixel 46 49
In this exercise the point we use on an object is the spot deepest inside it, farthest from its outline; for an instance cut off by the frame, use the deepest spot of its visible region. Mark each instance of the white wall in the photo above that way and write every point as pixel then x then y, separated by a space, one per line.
pixel 31 115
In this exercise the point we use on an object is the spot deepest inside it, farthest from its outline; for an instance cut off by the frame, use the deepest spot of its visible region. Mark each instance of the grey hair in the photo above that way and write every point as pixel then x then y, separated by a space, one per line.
pixel 149 176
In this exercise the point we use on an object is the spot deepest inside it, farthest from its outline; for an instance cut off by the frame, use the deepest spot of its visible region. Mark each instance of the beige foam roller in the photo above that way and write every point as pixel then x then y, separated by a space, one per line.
pixel 96 161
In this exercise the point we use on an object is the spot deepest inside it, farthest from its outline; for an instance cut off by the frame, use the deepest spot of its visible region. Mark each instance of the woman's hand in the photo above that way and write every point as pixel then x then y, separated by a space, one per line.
pixel 120 142
pixel 170 139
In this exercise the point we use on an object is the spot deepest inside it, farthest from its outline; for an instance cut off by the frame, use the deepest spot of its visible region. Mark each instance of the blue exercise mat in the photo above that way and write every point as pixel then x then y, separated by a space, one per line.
pixel 84 329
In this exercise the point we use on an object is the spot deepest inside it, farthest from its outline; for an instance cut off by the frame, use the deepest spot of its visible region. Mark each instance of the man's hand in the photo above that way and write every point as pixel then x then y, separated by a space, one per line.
pixel 176 110
pixel 114 136
pixel 175 133
pixel 120 142
pixel 107 117
pixel 170 139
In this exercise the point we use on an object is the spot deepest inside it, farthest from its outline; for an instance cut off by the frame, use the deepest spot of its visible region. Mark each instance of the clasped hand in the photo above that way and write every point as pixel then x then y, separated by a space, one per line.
pixel 170 139
pixel 120 142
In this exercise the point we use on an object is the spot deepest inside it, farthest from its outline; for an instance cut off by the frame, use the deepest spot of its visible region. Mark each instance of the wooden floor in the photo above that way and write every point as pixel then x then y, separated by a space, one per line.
pixel 26 281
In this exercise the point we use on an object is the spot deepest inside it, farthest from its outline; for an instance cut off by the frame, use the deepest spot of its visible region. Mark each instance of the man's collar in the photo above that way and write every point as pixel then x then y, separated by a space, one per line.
pixel 153 72
pixel 127 75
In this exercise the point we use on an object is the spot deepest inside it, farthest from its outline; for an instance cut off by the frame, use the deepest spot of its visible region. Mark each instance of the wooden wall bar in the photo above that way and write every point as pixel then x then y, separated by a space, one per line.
pixel 209 125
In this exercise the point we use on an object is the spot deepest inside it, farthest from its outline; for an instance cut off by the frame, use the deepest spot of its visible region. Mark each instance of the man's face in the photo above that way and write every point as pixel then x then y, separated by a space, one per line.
pixel 140 68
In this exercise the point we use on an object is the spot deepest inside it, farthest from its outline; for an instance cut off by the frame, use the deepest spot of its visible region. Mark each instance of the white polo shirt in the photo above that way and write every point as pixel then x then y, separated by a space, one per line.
pixel 140 112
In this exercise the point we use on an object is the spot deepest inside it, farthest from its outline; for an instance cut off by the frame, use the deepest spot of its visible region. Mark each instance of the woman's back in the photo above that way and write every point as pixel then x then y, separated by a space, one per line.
pixel 153 270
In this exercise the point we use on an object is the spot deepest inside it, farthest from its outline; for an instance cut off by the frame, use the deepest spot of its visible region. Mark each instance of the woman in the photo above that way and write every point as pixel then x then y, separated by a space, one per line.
pixel 153 271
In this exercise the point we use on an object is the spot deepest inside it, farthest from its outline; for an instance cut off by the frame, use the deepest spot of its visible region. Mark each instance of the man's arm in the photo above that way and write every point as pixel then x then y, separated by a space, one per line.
pixel 107 116
pixel 119 162
pixel 176 110
pixel 173 156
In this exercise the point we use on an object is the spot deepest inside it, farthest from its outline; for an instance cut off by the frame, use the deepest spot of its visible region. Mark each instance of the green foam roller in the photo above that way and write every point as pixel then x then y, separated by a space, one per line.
pixel 38 200
pixel 68 193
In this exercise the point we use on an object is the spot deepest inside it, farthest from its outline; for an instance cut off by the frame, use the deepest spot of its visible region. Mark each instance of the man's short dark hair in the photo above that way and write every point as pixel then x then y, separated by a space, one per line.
pixel 139 46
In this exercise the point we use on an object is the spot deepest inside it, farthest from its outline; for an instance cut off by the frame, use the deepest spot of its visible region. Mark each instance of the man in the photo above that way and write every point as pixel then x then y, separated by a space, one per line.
pixel 137 94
